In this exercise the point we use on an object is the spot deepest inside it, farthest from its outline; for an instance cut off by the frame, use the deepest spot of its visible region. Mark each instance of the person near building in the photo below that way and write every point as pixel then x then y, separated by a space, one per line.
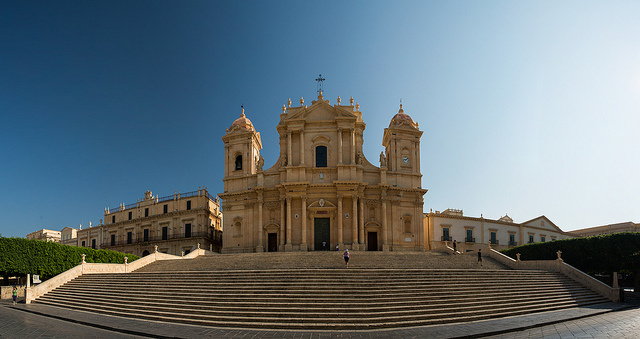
pixel 480 256
pixel 346 256
pixel 15 295
pixel 455 247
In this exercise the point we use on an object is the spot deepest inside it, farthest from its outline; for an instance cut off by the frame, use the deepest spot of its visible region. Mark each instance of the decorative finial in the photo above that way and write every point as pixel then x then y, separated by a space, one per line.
pixel 242 114
pixel 357 106
pixel 320 80
pixel 339 100
pixel 351 101
pixel 289 103
pixel 284 109
pixel 400 110
pixel 301 101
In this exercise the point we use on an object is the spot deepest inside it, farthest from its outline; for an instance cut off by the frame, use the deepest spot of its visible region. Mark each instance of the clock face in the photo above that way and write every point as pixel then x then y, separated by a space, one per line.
pixel 405 159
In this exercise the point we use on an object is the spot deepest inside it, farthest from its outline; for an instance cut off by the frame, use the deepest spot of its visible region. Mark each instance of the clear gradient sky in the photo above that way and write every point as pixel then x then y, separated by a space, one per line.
pixel 528 107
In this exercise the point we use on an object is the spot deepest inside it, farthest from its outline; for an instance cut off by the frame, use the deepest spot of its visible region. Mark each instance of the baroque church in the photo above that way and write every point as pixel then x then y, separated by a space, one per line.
pixel 323 192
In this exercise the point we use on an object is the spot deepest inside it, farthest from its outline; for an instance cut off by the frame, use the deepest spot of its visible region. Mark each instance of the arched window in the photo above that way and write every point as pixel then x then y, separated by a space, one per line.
pixel 407 224
pixel 321 156
pixel 239 162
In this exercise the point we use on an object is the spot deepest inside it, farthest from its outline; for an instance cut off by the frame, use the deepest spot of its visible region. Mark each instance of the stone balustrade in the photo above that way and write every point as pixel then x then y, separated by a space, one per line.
pixel 558 265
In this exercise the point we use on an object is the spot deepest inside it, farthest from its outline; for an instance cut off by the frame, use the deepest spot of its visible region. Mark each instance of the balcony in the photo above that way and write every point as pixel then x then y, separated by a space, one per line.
pixel 494 242
pixel 513 243
pixel 469 239
pixel 445 238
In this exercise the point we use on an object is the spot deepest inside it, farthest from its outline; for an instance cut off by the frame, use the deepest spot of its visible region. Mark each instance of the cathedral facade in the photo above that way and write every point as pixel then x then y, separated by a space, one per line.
pixel 322 192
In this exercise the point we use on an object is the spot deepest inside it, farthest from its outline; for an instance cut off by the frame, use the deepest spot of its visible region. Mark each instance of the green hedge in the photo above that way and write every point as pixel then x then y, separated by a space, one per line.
pixel 19 257
pixel 603 254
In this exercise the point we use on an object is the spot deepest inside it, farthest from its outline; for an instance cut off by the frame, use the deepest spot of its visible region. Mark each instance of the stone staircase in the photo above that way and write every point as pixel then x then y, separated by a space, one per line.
pixel 316 291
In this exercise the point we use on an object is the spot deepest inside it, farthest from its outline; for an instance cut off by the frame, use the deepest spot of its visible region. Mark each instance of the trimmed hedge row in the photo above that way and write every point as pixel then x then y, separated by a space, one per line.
pixel 19 257
pixel 603 254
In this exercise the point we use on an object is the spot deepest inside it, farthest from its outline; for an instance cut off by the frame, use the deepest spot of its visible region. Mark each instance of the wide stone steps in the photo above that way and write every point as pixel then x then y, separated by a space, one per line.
pixel 321 298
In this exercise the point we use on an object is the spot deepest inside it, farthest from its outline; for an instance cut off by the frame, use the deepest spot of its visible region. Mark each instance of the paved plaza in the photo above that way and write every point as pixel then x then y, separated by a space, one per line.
pixel 621 320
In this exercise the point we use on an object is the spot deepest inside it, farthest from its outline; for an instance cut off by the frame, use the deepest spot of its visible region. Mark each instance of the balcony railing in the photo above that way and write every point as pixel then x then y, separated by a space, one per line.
pixel 214 236
pixel 513 243
pixel 495 242
pixel 445 238
pixel 168 198
pixel 468 239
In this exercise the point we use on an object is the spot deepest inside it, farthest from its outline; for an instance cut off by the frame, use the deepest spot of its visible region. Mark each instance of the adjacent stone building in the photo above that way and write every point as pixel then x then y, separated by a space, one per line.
pixel 45 234
pixel 608 229
pixel 322 192
pixel 472 233
pixel 176 223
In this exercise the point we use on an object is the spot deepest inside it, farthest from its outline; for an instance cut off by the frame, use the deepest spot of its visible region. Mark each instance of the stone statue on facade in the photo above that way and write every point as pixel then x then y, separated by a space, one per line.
pixel 359 158
pixel 148 195
pixel 260 163
pixel 284 160
pixel 383 160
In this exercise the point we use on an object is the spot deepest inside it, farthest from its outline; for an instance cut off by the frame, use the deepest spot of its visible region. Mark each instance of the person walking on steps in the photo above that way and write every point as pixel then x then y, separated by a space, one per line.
pixel 346 256
pixel 15 295
pixel 455 247
pixel 480 256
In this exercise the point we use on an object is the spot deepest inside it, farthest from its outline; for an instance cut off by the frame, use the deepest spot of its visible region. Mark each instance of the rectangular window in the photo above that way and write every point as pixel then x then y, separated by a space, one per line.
pixel 188 205
pixel 146 234
pixel 531 239
pixel 187 230
pixel 166 208
pixel 146 212
pixel 113 219
pixel 82 243
pixel 512 239
pixel 494 241
pixel 93 243
pixel 129 237
pixel 321 156
pixel 130 215
pixel 445 234
pixel 469 236
pixel 165 233
pixel 542 239
pixel 113 240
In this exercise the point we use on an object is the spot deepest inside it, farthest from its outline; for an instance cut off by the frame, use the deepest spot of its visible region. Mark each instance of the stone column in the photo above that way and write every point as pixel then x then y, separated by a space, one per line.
pixel 282 222
pixel 288 246
pixel 418 156
pixel 385 236
pixel 259 248
pixel 340 220
pixel 339 145
pixel 303 245
pixel 354 222
pixel 289 158
pixel 361 225
pixel 302 148
pixel 353 146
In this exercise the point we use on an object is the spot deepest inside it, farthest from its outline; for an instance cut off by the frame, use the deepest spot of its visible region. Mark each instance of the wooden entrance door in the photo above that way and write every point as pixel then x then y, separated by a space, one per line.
pixel 272 242
pixel 321 232
pixel 372 241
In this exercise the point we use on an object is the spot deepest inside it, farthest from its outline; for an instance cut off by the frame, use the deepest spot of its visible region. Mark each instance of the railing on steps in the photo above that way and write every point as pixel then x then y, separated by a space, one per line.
pixel 558 265
pixel 34 292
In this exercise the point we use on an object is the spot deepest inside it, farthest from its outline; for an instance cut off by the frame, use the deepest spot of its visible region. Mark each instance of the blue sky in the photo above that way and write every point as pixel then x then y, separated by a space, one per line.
pixel 528 108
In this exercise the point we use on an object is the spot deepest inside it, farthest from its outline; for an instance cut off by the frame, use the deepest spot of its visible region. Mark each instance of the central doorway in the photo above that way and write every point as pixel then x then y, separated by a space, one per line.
pixel 321 233
pixel 372 241
pixel 272 242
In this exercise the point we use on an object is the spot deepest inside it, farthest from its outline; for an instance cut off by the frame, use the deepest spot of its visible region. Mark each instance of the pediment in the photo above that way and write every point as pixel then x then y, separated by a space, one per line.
pixel 543 222
pixel 320 111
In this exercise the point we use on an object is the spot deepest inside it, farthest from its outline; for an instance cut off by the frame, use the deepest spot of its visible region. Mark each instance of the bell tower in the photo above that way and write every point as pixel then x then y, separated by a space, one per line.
pixel 242 145
pixel 402 147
